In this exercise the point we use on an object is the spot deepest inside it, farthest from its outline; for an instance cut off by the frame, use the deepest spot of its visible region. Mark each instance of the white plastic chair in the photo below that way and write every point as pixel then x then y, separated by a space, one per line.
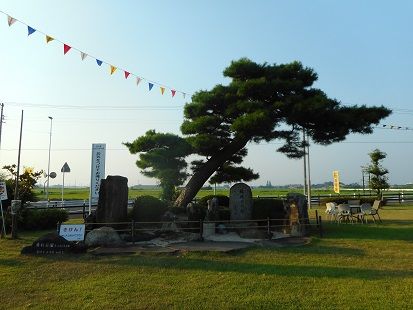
pixel 344 213
pixel 367 209
pixel 331 210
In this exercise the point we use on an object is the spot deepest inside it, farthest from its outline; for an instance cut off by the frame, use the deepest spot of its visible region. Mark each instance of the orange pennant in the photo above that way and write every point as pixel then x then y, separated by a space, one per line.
pixel 49 38
pixel 112 69
pixel 162 90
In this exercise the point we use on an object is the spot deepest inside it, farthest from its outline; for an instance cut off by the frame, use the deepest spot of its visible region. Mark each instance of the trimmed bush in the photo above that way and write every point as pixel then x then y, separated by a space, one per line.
pixel 148 209
pixel 223 201
pixel 33 219
pixel 263 208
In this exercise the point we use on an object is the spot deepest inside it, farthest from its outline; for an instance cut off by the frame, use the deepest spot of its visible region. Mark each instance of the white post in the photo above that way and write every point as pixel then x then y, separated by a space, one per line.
pixel 63 187
pixel 48 163
pixel 3 231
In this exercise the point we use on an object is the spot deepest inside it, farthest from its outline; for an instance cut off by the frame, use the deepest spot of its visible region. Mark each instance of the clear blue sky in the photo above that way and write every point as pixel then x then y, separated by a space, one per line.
pixel 361 50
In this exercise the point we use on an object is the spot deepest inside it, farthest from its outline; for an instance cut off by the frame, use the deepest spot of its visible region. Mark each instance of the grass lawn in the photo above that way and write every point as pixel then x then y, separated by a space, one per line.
pixel 353 267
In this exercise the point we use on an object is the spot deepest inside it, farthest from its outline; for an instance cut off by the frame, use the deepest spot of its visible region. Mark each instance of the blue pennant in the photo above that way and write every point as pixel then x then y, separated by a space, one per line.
pixel 30 30
pixel 99 62
pixel 150 86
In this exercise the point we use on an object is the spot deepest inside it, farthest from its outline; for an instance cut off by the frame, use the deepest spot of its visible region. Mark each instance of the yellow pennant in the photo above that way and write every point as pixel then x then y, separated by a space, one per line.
pixel 162 90
pixel 49 38
pixel 112 69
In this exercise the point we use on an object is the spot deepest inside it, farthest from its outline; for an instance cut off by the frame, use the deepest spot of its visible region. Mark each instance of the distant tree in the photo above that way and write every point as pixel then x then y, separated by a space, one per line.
pixel 27 182
pixel 162 156
pixel 378 179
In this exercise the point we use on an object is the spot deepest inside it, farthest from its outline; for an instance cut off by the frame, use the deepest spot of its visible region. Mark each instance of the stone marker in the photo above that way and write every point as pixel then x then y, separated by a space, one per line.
pixel 113 200
pixel 297 214
pixel 240 202
pixel 52 243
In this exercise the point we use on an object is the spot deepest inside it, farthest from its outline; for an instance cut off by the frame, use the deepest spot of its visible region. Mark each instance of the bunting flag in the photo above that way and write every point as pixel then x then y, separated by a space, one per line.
pixel 49 38
pixel 66 48
pixel 83 56
pixel 10 20
pixel 30 30
pixel 112 69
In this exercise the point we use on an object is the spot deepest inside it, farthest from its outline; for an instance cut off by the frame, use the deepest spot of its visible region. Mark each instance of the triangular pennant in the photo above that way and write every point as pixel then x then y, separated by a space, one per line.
pixel 150 86
pixel 30 30
pixel 99 62
pixel 173 91
pixel 184 95
pixel 162 89
pixel 83 55
pixel 126 74
pixel 10 20
pixel 138 80
pixel 49 38
pixel 66 48
pixel 112 69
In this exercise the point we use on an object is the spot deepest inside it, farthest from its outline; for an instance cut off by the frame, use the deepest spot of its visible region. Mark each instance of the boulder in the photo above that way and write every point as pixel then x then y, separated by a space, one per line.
pixel 103 236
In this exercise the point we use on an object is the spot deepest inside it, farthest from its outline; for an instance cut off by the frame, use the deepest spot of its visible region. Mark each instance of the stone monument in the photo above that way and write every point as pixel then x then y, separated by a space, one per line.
pixel 240 202
pixel 296 214
pixel 113 200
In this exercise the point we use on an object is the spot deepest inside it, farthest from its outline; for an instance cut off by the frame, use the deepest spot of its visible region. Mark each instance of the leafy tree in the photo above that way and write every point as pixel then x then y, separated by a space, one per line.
pixel 263 102
pixel 27 182
pixel 162 156
pixel 378 180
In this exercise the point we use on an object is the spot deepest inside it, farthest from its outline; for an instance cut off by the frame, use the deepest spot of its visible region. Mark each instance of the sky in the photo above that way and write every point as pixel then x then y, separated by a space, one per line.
pixel 361 50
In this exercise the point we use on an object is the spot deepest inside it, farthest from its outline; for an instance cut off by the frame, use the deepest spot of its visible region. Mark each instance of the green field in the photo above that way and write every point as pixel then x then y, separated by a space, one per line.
pixel 354 266
pixel 83 193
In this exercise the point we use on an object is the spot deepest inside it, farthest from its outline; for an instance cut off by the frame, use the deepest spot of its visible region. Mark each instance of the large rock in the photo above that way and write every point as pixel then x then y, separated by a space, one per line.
pixel 113 200
pixel 240 202
pixel 103 236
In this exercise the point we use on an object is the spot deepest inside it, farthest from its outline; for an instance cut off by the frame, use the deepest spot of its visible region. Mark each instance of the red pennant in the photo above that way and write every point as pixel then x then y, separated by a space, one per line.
pixel 126 74
pixel 66 48
pixel 173 91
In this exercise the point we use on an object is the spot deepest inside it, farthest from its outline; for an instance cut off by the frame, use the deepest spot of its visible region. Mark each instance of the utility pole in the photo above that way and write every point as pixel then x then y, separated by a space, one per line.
pixel 309 175
pixel 1 121
pixel 305 164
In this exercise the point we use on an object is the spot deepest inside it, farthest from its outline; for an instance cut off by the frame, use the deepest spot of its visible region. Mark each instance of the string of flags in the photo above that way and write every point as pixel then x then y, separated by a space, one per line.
pixel 83 55
pixel 395 127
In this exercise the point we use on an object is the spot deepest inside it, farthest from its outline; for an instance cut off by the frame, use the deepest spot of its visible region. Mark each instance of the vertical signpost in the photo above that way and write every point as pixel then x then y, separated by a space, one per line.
pixel 3 196
pixel 336 182
pixel 97 171
pixel 64 169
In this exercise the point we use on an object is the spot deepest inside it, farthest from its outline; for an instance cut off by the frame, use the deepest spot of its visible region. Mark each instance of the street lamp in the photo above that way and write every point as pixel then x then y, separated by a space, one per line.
pixel 48 164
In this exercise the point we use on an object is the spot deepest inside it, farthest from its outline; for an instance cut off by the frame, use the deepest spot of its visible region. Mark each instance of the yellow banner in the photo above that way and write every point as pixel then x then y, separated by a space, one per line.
pixel 336 182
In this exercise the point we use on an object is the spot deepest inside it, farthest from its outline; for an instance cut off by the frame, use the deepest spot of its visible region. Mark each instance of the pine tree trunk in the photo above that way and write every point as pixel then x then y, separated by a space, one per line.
pixel 206 170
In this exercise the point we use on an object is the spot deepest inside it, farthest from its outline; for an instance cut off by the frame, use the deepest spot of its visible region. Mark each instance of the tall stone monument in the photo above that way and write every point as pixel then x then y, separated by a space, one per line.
pixel 240 202
pixel 296 210
pixel 113 200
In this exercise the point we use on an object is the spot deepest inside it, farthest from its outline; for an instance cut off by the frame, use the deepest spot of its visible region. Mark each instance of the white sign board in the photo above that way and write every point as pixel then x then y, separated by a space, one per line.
pixel 98 168
pixel 3 191
pixel 72 232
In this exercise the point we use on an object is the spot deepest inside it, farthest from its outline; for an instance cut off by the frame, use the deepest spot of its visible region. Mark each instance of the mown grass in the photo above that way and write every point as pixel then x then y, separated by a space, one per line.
pixel 353 267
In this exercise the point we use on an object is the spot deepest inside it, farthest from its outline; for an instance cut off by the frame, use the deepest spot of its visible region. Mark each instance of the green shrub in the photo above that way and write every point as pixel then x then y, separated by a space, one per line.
pixel 33 219
pixel 148 209
pixel 223 201
pixel 263 208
